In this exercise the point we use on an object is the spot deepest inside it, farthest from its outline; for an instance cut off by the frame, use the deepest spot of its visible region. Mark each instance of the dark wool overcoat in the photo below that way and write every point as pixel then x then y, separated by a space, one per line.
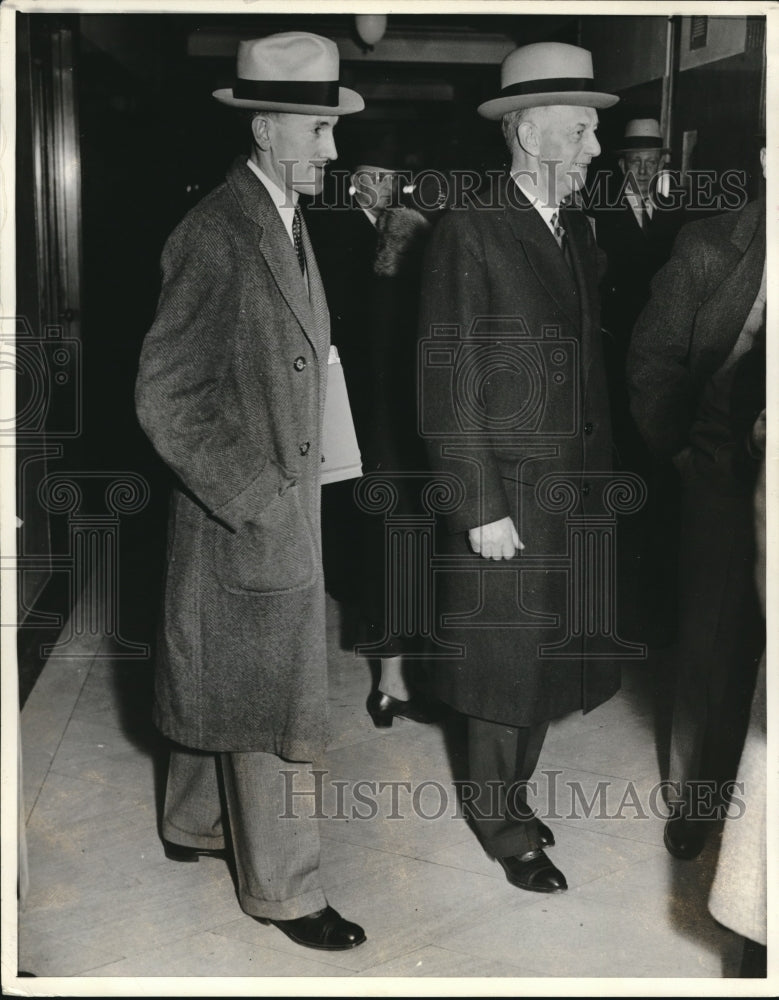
pixel 504 404
pixel 231 393
pixel 700 302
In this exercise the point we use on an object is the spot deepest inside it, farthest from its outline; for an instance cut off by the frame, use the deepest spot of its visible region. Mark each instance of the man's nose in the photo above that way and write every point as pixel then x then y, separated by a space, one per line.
pixel 593 146
pixel 329 152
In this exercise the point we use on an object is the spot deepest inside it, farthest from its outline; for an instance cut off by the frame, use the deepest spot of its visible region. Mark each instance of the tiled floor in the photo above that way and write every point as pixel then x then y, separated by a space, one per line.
pixel 104 902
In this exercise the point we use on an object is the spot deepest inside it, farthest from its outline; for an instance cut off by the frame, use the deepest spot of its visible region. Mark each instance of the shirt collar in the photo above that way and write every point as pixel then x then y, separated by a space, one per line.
pixel 281 200
pixel 545 211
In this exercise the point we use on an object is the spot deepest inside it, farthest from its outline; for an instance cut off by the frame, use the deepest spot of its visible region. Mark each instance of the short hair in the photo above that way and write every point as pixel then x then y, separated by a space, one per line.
pixel 511 121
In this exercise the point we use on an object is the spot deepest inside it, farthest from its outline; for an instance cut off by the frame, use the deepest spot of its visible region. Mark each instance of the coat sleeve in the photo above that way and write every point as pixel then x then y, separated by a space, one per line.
pixel 185 392
pixel 662 393
pixel 455 291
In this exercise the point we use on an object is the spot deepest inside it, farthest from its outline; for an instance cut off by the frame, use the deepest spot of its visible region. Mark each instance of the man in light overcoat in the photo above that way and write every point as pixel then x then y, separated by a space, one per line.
pixel 231 392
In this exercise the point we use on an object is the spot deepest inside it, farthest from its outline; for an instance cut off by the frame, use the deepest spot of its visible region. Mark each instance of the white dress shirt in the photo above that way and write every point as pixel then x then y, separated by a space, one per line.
pixel 545 211
pixel 281 199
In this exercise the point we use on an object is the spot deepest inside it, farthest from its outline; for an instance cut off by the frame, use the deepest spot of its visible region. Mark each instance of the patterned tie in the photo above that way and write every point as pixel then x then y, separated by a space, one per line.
pixel 562 237
pixel 557 229
pixel 297 236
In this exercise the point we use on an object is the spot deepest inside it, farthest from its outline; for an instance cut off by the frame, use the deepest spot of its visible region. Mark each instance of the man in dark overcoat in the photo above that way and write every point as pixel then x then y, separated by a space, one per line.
pixel 703 326
pixel 636 222
pixel 514 408
pixel 231 392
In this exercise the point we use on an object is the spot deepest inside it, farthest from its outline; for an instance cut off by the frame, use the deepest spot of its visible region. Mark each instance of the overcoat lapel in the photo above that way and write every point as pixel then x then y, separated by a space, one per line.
pixel 543 254
pixel 277 249
pixel 721 318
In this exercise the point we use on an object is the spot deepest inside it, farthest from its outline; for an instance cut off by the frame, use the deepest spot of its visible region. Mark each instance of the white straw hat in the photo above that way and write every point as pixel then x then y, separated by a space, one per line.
pixel 546 73
pixel 294 71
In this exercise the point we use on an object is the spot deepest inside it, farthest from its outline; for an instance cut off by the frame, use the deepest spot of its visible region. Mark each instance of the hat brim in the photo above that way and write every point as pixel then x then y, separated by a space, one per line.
pixel 643 149
pixel 499 106
pixel 349 101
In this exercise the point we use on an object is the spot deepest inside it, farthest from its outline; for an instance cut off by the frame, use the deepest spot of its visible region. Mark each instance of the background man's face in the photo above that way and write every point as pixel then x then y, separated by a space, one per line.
pixel 641 165
pixel 301 147
pixel 567 144
pixel 374 187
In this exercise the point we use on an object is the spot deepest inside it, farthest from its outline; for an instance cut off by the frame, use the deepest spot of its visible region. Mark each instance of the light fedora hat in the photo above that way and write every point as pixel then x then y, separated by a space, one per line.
pixel 546 73
pixel 294 71
pixel 642 133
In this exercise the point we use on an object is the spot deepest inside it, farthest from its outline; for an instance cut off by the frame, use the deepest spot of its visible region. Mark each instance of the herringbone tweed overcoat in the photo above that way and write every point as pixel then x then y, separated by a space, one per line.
pixel 231 393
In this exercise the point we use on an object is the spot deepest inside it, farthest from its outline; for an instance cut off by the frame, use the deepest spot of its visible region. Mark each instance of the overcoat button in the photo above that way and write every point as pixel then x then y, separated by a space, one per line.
pixel 304 447
pixel 588 428
pixel 299 364
pixel 586 490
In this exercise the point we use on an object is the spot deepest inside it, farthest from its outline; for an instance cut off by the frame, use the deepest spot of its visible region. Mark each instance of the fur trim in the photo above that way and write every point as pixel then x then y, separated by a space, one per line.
pixel 403 233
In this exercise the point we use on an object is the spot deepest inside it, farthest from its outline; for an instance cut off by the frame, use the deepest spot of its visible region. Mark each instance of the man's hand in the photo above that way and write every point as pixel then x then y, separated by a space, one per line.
pixel 497 540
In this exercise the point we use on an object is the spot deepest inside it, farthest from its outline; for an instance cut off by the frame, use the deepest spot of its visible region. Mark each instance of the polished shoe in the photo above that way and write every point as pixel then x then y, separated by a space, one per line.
pixel 383 708
pixel 178 852
pixel 545 835
pixel 326 929
pixel 533 871
pixel 684 838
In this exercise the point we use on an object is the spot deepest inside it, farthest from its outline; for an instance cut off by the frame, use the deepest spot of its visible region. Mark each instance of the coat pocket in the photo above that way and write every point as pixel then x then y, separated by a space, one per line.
pixel 274 555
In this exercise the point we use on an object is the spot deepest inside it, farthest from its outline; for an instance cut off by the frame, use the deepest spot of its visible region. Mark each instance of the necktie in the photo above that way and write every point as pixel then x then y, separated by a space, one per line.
pixel 561 236
pixel 644 216
pixel 297 236
pixel 557 229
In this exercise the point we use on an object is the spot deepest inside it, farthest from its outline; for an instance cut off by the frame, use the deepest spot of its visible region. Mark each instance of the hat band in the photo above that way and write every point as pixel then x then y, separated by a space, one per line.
pixel 324 92
pixel 549 85
pixel 642 142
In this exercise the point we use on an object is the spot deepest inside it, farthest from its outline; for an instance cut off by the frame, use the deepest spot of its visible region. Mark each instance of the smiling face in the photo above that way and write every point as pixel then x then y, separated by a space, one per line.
pixel 294 149
pixel 566 144
pixel 640 166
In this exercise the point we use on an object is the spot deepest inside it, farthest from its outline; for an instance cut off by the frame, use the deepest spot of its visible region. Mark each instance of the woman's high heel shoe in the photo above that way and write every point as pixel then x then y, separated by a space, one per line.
pixel 383 708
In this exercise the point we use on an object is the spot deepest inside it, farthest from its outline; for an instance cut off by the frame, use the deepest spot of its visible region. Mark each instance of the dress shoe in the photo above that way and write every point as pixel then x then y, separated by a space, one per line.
pixel 178 852
pixel 683 837
pixel 545 835
pixel 383 708
pixel 534 871
pixel 326 929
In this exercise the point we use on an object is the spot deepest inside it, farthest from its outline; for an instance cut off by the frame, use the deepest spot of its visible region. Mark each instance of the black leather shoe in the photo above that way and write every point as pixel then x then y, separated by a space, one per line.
pixel 177 852
pixel 326 929
pixel 533 871
pixel 545 835
pixel 383 708
pixel 684 838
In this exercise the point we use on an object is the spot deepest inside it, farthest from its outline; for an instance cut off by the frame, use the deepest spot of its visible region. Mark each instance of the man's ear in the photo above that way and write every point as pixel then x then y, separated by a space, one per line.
pixel 261 127
pixel 665 159
pixel 528 138
pixel 762 160
pixel 622 166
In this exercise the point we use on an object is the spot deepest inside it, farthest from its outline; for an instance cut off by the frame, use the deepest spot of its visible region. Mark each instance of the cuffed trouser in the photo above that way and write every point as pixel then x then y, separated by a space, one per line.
pixel 276 853
pixel 501 759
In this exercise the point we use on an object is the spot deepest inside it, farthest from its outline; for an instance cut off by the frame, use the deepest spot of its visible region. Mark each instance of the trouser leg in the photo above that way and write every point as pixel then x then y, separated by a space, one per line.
pixel 500 760
pixel 275 840
pixel 192 815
